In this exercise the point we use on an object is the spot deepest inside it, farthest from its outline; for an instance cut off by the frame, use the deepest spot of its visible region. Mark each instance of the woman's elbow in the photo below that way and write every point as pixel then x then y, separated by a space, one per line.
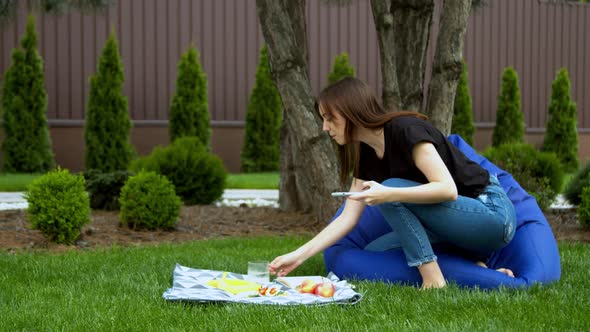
pixel 453 196
pixel 452 193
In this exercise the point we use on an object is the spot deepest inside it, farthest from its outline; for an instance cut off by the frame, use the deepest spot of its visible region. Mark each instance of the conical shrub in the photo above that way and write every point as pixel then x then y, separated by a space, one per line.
pixel 561 136
pixel 341 68
pixel 509 118
pixel 107 118
pixel 462 111
pixel 27 146
pixel 263 121
pixel 189 113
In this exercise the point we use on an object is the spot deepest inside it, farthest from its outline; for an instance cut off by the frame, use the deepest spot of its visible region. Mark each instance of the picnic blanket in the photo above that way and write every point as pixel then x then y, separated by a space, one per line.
pixel 194 285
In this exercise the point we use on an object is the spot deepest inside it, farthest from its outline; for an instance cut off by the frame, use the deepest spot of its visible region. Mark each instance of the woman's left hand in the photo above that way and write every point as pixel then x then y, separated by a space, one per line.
pixel 374 195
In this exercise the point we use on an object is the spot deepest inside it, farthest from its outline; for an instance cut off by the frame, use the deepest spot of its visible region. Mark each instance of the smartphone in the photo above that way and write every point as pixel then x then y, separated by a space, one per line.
pixel 342 194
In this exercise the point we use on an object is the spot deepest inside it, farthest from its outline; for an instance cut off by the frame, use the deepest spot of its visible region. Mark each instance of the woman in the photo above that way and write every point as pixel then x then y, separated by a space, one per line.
pixel 426 189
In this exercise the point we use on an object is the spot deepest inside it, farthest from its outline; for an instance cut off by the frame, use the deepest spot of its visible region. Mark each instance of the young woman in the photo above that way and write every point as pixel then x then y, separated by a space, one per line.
pixel 426 189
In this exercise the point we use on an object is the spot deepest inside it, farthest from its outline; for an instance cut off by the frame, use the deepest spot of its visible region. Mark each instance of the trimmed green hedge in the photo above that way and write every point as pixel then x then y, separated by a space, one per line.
pixel 539 173
pixel 198 175
pixel 580 180
pixel 148 200
pixel 104 188
pixel 584 208
pixel 58 205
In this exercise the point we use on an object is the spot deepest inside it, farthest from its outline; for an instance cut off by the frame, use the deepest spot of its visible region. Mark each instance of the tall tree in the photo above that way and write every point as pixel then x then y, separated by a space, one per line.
pixel 403 33
pixel 26 146
pixel 309 166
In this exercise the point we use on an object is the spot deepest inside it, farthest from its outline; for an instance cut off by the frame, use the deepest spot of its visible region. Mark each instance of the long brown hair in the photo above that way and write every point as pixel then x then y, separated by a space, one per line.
pixel 357 103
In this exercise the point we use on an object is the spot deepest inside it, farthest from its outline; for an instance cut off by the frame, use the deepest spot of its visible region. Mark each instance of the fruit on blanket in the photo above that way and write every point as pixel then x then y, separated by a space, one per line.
pixel 307 286
pixel 269 291
pixel 234 286
pixel 325 289
pixel 273 291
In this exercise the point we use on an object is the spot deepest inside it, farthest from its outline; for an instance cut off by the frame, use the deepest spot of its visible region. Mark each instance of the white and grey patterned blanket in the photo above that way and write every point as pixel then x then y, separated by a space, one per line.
pixel 191 285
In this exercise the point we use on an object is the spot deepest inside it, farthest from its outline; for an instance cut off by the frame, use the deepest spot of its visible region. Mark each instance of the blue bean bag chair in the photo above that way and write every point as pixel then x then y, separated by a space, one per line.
pixel 532 254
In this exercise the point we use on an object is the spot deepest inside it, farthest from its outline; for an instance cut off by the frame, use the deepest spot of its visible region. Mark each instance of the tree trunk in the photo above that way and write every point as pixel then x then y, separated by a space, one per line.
pixel 448 63
pixel 309 168
pixel 288 200
pixel 411 23
pixel 383 20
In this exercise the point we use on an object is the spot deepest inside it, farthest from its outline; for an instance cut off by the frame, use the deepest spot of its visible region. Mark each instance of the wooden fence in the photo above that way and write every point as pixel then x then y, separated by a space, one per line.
pixel 535 37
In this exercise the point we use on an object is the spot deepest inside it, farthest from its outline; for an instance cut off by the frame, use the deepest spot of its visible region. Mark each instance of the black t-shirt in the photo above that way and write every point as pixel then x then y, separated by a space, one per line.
pixel 401 134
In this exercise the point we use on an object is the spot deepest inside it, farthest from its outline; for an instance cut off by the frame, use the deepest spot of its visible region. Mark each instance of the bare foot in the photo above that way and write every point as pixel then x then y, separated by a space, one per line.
pixel 507 272
pixel 482 264
pixel 436 285
pixel 432 276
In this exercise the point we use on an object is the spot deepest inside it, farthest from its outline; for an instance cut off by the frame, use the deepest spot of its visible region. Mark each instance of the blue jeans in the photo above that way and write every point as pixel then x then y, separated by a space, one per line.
pixel 478 225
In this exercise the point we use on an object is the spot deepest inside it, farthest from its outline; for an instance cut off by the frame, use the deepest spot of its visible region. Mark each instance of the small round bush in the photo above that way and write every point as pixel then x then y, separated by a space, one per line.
pixel 539 173
pixel 198 175
pixel 104 188
pixel 580 180
pixel 58 205
pixel 148 201
pixel 584 208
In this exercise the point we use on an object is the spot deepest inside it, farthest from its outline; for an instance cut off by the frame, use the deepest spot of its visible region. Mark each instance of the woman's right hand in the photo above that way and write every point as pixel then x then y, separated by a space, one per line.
pixel 283 265
pixel 338 228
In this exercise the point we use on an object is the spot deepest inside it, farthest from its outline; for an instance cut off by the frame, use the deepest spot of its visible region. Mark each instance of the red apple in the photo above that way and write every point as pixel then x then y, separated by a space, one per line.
pixel 307 286
pixel 325 289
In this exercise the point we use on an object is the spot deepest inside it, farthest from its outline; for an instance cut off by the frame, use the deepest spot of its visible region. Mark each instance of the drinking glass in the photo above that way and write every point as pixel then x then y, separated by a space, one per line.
pixel 258 272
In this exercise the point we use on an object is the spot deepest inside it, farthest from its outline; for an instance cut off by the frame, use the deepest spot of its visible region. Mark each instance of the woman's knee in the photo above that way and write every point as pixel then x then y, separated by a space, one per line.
pixel 387 208
pixel 399 183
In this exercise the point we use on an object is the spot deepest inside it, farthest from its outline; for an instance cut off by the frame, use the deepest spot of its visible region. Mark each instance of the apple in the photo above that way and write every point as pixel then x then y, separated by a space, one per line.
pixel 325 289
pixel 307 286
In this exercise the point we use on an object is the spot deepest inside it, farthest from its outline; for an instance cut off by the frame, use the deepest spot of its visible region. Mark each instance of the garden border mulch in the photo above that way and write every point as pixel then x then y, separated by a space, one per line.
pixel 207 222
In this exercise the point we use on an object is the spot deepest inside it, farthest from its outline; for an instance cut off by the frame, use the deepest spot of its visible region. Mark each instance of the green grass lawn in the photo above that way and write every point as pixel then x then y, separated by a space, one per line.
pixel 19 182
pixel 121 288
pixel 253 181
pixel 16 182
